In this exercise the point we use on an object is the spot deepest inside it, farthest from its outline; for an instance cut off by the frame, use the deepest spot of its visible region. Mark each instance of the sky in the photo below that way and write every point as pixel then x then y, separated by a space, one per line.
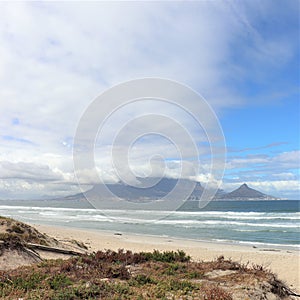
pixel 242 57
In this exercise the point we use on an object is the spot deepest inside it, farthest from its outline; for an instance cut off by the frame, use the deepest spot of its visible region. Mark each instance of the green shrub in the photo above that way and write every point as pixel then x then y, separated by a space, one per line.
pixel 28 283
pixel 59 281
pixel 195 275
pixel 141 279
pixel 166 256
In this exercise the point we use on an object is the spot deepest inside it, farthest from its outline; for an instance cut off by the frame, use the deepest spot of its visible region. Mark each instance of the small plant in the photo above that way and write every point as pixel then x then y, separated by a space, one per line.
pixel 142 279
pixel 181 285
pixel 59 281
pixel 260 268
pixel 17 229
pixel 215 292
pixel 175 285
pixel 120 288
pixel 79 244
pixel 195 275
pixel 166 256
pixel 28 283
pixel 174 268
pixel 118 271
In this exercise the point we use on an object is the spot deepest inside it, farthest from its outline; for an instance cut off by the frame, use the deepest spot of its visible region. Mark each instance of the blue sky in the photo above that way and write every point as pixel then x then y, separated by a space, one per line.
pixel 263 125
pixel 55 58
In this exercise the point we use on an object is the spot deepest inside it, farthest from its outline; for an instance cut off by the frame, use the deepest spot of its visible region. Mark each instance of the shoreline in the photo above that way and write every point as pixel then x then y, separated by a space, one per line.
pixel 283 262
pixel 256 245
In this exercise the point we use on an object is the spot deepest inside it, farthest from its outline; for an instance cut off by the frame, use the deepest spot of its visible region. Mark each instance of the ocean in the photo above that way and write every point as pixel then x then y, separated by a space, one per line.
pixel 256 223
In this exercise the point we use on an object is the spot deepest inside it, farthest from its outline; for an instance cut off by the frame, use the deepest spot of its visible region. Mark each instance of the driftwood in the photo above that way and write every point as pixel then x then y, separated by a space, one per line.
pixel 52 249
pixel 291 293
pixel 279 286
pixel 28 247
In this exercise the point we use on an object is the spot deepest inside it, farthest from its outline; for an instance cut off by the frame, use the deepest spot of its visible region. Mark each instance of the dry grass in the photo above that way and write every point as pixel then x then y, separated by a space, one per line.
pixel 22 233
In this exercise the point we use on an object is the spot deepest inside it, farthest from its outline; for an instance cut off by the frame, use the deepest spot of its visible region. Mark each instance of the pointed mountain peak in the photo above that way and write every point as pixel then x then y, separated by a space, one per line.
pixel 244 185
pixel 244 192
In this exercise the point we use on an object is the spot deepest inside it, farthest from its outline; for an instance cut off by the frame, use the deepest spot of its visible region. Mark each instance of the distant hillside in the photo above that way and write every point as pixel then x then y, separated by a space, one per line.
pixel 163 187
pixel 131 193
pixel 244 192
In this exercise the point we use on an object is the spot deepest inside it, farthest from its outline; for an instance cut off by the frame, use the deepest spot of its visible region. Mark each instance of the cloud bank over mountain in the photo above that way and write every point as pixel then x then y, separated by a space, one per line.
pixel 55 58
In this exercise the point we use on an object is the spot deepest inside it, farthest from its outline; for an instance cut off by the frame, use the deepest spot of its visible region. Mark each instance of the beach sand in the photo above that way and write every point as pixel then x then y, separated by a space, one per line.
pixel 285 263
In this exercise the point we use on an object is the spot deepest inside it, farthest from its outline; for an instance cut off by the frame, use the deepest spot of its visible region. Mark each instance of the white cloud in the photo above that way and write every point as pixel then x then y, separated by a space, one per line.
pixel 277 174
pixel 284 160
pixel 285 176
pixel 27 171
pixel 56 57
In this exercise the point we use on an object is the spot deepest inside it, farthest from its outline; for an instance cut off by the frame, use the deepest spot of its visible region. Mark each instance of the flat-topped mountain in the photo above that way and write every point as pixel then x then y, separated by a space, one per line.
pixel 244 192
pixel 132 193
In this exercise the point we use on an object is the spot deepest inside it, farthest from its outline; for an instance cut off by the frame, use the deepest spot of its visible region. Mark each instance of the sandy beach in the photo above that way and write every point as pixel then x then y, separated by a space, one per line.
pixel 285 263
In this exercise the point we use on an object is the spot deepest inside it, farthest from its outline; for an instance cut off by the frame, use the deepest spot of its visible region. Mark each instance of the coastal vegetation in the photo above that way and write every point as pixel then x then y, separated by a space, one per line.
pixel 124 274
pixel 145 275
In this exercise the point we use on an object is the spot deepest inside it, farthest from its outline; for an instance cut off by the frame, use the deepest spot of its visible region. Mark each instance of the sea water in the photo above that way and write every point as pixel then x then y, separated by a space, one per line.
pixel 257 223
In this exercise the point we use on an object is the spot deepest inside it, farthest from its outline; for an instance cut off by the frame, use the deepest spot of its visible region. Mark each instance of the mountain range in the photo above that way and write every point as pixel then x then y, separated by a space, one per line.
pixel 163 187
